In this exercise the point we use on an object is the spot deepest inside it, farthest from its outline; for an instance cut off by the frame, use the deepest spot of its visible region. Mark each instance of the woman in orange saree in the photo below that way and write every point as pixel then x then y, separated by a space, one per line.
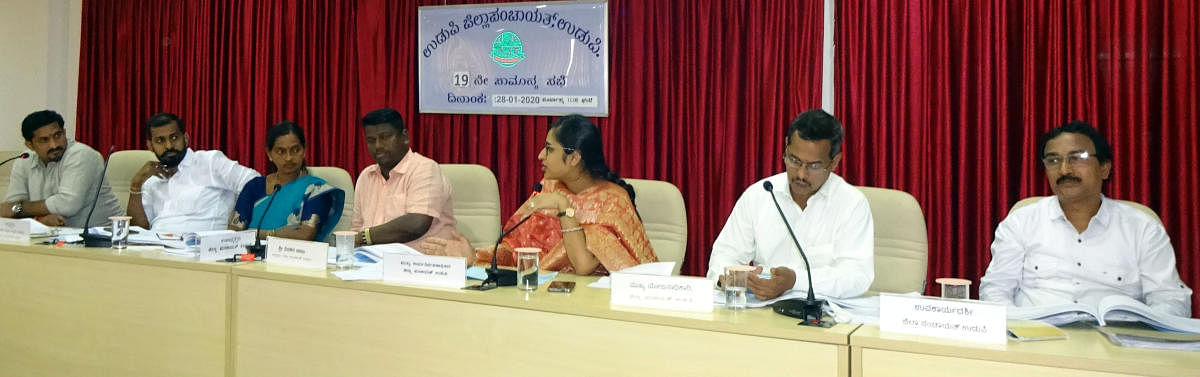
pixel 583 220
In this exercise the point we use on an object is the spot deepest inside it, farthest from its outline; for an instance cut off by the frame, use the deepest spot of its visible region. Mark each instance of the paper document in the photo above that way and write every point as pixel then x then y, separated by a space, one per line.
pixel 36 228
pixel 368 271
pixel 656 269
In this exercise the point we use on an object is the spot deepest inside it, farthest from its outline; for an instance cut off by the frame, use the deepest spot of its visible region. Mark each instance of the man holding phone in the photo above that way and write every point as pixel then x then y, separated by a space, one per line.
pixel 185 190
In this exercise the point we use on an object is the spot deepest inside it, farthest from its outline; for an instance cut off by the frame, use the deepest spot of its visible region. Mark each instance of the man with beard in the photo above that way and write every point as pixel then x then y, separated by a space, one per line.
pixel 1079 246
pixel 403 197
pixel 831 219
pixel 57 183
pixel 185 190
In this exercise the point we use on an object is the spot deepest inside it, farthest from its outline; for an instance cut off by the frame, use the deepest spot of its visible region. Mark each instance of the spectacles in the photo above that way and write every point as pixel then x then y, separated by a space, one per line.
pixel 1075 159
pixel 795 163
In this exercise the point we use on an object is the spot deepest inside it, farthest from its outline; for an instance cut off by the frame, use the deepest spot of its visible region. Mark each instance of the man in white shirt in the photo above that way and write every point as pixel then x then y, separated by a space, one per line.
pixel 185 190
pixel 1079 246
pixel 830 217
pixel 58 184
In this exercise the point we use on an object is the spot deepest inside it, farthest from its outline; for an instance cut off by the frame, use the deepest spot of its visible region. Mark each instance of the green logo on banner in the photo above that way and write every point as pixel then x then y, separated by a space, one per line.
pixel 507 49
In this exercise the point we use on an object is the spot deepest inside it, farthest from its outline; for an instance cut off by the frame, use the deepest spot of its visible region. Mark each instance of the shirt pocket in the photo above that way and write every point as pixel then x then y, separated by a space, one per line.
pixel 1122 276
pixel 820 255
pixel 1040 269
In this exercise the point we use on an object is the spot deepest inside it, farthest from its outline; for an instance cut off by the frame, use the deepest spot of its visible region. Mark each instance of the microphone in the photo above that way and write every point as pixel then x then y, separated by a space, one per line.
pixel 258 249
pixel 809 309
pixel 89 239
pixel 20 156
pixel 497 277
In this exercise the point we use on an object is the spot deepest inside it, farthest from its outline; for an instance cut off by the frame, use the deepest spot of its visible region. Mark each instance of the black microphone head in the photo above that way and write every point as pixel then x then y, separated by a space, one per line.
pixel 276 188
pixel 768 186
pixel 24 155
pixel 537 187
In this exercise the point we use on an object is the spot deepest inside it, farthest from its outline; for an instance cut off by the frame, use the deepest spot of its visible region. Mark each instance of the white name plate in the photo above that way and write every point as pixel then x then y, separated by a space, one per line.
pixel 431 270
pixel 662 292
pixel 965 320
pixel 14 231
pixel 296 253
pixel 222 244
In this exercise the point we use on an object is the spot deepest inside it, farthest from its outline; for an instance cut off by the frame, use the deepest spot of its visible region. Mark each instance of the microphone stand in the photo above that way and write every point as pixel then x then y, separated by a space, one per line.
pixel 497 277
pixel 808 309
pixel 258 249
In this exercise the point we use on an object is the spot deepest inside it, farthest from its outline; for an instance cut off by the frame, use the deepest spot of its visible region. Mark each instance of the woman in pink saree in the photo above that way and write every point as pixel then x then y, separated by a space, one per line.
pixel 583 220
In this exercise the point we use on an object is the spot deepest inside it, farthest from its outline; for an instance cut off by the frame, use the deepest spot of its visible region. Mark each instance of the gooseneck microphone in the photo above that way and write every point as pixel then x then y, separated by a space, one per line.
pixel 258 249
pixel 90 239
pixel 809 309
pixel 497 277
pixel 20 156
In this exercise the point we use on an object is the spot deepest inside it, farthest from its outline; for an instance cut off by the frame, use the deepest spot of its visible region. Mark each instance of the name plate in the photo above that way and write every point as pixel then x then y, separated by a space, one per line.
pixel 431 270
pixel 14 231
pixel 296 253
pixel 222 244
pixel 662 292
pixel 965 320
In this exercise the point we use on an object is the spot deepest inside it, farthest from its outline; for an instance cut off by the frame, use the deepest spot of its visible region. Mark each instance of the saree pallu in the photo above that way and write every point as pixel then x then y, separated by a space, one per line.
pixel 614 232
pixel 305 200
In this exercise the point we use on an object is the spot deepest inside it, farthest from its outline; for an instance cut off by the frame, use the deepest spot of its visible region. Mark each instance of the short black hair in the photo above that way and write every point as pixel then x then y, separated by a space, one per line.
pixel 385 115
pixel 1104 152
pixel 162 119
pixel 816 124
pixel 39 119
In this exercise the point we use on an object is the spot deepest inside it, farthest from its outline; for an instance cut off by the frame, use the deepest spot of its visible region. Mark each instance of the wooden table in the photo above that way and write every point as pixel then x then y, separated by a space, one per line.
pixel 289 322
pixel 1085 353
pixel 95 312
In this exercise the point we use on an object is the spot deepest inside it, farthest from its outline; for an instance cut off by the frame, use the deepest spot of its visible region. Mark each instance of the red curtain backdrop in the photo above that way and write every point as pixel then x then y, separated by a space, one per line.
pixel 700 91
pixel 945 100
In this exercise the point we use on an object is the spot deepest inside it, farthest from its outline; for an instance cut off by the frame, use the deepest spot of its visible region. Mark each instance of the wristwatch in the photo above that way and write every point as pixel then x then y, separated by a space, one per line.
pixel 569 212
pixel 16 209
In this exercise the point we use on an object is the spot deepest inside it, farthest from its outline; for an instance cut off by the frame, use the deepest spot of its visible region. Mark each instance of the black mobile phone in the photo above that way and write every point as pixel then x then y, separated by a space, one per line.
pixel 561 286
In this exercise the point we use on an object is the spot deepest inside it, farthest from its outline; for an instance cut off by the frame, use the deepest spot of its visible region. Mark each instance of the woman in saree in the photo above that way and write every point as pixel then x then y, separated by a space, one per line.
pixel 583 219
pixel 304 207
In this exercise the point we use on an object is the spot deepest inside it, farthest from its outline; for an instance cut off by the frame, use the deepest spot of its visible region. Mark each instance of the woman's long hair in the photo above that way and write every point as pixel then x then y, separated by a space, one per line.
pixel 578 134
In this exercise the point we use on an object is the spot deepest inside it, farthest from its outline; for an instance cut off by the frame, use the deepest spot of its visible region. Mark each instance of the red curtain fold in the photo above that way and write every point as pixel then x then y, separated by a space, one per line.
pixel 700 91
pixel 945 100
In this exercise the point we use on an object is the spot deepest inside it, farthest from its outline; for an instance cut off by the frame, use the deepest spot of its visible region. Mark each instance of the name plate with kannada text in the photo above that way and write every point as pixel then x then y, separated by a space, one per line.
pixel 431 270
pixel 221 244
pixel 965 320
pixel 296 253
pixel 14 231
pixel 662 292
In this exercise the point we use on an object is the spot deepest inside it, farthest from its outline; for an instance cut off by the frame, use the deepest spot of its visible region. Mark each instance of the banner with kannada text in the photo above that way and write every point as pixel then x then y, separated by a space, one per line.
pixel 538 58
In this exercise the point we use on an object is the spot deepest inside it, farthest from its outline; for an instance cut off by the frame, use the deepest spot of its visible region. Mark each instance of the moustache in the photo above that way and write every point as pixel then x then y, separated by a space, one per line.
pixel 1067 178
pixel 56 150
pixel 801 181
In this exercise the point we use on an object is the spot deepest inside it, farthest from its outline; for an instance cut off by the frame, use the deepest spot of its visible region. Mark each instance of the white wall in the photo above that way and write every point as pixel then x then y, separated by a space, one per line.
pixel 39 63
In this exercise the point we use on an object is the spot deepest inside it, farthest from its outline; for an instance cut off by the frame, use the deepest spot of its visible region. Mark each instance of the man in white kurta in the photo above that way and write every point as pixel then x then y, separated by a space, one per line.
pixel 831 219
pixel 1079 246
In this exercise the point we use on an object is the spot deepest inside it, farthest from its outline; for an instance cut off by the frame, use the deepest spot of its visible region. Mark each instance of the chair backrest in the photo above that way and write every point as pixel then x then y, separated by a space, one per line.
pixel 664 216
pixel 6 170
pixel 122 166
pixel 901 241
pixel 476 204
pixel 1138 206
pixel 341 179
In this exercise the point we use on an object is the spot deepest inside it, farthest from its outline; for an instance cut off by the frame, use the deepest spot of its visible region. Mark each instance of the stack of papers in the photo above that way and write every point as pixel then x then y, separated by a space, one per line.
pixel 656 269
pixel 1127 336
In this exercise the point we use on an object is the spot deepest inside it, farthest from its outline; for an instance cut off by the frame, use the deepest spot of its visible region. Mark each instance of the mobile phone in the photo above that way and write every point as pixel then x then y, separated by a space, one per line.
pixel 561 286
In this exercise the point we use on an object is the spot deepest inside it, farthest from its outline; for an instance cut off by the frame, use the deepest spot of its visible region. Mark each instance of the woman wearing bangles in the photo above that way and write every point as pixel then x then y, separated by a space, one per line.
pixel 305 207
pixel 583 220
